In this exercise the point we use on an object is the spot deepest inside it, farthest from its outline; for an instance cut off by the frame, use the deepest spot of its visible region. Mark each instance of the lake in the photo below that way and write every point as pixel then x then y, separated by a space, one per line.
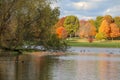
pixel 79 64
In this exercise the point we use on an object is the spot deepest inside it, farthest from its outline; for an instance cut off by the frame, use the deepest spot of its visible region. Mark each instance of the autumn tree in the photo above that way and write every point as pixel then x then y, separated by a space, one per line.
pixel 105 25
pixel 61 32
pixel 105 28
pixel 100 36
pixel 108 18
pixel 109 28
pixel 81 30
pixel 115 31
pixel 92 32
pixel 60 22
pixel 71 24
pixel 87 29
pixel 93 29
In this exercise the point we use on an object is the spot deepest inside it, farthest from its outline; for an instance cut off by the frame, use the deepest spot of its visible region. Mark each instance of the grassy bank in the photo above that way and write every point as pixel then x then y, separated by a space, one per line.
pixel 85 43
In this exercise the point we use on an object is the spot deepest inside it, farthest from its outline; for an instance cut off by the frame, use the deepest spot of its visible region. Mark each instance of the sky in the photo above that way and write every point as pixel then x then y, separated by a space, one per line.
pixel 88 9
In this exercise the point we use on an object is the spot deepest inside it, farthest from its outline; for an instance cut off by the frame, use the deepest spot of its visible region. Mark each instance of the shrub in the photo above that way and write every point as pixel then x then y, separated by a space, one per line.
pixel 100 36
pixel 53 43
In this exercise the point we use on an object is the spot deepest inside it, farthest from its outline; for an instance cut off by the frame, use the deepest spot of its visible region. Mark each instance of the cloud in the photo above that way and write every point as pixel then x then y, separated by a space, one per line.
pixel 87 9
pixel 87 17
pixel 83 5
pixel 113 11
pixel 96 0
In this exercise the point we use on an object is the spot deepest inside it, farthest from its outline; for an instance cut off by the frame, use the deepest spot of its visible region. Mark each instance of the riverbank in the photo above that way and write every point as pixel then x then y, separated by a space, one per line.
pixel 91 50
pixel 45 53
pixel 85 43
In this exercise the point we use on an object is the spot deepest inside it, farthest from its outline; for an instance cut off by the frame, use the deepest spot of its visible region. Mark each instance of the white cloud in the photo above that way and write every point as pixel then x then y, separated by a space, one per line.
pixel 87 17
pixel 97 0
pixel 84 5
pixel 66 13
pixel 113 11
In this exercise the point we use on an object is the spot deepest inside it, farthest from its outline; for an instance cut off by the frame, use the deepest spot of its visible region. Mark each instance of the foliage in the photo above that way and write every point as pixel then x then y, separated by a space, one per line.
pixel 25 21
pixel 61 32
pixel 54 43
pixel 109 28
pixel 115 31
pixel 117 21
pixel 100 36
pixel 60 22
pixel 108 18
pixel 87 29
pixel 71 24
pixel 92 29
pixel 81 31
pixel 98 22
pixel 105 28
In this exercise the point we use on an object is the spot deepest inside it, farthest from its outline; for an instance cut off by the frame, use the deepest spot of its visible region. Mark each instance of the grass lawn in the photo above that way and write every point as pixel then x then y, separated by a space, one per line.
pixel 86 43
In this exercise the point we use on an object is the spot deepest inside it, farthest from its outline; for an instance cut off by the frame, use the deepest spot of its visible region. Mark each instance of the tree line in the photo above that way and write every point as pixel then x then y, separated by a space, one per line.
pixel 103 27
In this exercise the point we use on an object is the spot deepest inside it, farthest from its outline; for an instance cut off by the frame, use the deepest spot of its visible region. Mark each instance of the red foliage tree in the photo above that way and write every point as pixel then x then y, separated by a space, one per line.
pixel 61 32
pixel 86 29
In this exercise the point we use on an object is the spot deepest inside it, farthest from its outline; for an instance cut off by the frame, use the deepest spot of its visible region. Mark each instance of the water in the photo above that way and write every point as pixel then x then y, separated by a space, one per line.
pixel 82 65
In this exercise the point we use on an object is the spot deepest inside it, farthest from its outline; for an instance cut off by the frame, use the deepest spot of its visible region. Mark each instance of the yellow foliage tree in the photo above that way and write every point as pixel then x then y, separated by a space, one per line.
pixel 105 28
pixel 100 36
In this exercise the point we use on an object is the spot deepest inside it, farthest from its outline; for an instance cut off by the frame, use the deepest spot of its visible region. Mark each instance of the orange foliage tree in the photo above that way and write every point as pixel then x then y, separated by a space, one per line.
pixel 105 25
pixel 86 29
pixel 115 31
pixel 61 32
pixel 109 28
pixel 81 32
pixel 105 28
pixel 108 18
pixel 92 31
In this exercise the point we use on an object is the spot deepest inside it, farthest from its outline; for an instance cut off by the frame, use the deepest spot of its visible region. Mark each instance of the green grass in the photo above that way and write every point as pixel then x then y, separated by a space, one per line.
pixel 85 43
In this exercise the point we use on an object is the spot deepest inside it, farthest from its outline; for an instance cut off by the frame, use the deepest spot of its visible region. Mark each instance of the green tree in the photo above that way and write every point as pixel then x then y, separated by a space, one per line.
pixel 52 42
pixel 98 22
pixel 24 21
pixel 91 21
pixel 71 24
pixel 117 20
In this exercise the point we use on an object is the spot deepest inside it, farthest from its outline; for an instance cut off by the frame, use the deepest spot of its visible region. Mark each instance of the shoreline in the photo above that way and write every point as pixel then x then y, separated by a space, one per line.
pixel 46 53
pixel 94 50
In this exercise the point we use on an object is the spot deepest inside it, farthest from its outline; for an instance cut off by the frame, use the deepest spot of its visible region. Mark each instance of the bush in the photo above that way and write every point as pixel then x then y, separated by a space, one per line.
pixel 100 36
pixel 53 43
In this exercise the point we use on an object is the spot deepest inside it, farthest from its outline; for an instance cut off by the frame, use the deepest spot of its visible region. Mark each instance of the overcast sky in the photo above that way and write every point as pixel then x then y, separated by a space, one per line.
pixel 87 9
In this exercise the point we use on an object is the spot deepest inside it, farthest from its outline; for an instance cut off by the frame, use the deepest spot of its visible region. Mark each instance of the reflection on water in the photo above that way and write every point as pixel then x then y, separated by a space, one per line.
pixel 70 67
pixel 27 68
